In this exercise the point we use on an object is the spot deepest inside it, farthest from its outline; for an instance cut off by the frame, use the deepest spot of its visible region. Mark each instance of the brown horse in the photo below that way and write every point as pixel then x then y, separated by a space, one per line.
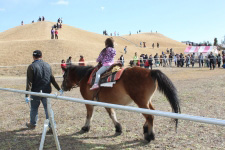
pixel 137 84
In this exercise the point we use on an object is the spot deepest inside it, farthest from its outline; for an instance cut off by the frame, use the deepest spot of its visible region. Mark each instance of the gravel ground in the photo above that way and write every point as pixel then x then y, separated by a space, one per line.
pixel 201 92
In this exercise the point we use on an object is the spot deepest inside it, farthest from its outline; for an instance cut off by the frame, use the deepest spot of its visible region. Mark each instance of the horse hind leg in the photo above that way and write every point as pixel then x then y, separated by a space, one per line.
pixel 112 115
pixel 145 127
pixel 90 110
pixel 148 126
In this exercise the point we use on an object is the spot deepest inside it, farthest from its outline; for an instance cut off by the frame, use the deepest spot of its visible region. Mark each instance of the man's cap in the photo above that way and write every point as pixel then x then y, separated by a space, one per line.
pixel 37 53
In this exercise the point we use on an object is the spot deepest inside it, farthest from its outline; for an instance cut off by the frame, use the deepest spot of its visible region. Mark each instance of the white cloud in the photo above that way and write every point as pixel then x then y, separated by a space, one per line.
pixel 102 8
pixel 2 9
pixel 61 2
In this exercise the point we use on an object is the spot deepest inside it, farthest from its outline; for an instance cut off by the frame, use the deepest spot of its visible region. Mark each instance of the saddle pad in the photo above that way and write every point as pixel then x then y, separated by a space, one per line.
pixel 110 78
pixel 108 84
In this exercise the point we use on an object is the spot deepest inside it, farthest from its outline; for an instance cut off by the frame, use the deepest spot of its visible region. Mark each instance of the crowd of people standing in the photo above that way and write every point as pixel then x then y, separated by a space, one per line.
pixel 179 60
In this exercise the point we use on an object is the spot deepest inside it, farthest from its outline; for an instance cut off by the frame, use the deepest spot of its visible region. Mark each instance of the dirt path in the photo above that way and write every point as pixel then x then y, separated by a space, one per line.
pixel 201 92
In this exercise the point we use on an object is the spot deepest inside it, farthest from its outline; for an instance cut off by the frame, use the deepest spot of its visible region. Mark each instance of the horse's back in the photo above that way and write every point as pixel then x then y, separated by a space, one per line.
pixel 135 83
pixel 138 83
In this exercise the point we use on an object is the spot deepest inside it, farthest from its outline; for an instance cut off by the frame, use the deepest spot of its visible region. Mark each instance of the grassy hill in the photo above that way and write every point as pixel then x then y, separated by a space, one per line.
pixel 17 44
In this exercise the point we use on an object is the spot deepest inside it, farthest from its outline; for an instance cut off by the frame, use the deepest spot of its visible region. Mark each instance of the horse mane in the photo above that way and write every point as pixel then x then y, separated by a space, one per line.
pixel 81 71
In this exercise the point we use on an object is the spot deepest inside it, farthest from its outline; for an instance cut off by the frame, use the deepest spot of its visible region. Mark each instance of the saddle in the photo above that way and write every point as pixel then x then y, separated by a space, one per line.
pixel 109 77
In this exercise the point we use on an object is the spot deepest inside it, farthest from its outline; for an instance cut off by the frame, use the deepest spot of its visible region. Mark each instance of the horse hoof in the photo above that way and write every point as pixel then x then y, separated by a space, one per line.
pixel 118 128
pixel 145 129
pixel 85 128
pixel 149 137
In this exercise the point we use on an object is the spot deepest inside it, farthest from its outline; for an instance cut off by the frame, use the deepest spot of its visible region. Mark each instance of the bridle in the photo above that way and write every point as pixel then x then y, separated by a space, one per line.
pixel 77 84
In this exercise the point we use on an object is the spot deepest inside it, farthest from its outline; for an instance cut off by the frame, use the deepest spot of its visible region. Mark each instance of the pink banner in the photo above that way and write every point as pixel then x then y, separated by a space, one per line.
pixel 207 48
pixel 188 49
pixel 199 49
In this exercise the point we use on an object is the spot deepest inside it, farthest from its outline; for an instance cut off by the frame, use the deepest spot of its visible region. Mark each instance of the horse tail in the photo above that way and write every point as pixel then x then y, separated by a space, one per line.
pixel 166 86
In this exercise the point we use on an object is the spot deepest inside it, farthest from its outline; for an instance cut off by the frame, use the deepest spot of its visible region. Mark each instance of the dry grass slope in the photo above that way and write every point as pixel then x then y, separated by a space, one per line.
pixel 17 44
pixel 22 40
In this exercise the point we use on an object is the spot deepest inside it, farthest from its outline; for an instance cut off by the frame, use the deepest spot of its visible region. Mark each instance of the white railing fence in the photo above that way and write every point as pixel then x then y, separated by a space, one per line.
pixel 121 107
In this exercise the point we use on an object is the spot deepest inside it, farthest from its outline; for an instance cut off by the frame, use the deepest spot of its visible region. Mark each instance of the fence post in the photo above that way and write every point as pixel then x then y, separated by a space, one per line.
pixel 44 134
pixel 52 122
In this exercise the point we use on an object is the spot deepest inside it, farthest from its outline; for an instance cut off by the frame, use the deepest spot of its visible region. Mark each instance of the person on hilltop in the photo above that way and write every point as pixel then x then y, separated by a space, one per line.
pixel 43 18
pixel 144 44
pixel 121 60
pixel 52 33
pixel 106 58
pixel 57 25
pixel 21 23
pixel 125 49
pixel 81 61
pixel 56 34
pixel 39 79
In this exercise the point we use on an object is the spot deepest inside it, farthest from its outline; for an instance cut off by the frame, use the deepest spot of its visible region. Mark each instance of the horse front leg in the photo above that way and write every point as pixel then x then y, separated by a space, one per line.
pixel 112 115
pixel 90 110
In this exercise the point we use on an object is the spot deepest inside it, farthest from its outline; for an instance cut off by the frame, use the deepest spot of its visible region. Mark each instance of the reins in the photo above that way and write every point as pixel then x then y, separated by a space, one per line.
pixel 77 84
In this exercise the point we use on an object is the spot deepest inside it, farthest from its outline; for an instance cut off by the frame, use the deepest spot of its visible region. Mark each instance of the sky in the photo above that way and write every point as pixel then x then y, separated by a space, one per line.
pixel 190 20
